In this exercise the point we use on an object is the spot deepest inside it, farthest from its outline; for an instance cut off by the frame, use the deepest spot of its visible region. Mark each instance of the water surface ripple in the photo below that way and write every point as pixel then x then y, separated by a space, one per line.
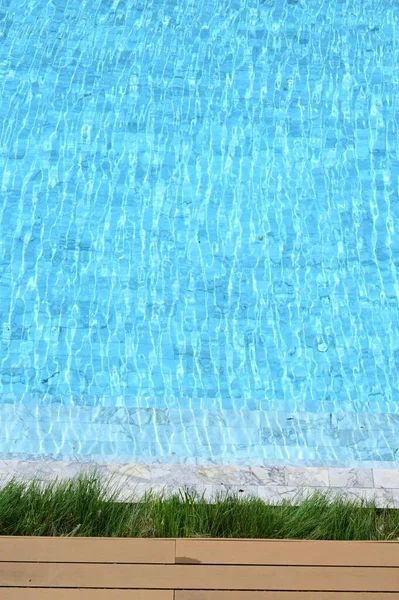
pixel 199 217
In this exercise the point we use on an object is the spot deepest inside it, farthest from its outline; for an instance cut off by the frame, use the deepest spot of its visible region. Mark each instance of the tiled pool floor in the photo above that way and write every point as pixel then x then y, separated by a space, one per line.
pixel 199 231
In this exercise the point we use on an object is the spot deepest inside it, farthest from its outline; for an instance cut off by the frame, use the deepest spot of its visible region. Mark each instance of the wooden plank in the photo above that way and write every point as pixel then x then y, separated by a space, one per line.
pixel 87 550
pixel 212 595
pixel 93 594
pixel 218 595
pixel 199 577
pixel 279 552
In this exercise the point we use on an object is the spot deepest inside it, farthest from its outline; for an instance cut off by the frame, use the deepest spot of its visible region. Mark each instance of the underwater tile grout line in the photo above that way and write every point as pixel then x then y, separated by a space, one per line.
pixel 271 484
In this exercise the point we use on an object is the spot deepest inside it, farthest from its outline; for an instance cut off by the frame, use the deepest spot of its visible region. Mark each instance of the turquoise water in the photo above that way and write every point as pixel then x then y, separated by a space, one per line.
pixel 199 230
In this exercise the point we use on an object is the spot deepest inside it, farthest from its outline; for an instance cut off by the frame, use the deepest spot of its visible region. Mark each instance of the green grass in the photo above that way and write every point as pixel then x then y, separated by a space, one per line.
pixel 84 507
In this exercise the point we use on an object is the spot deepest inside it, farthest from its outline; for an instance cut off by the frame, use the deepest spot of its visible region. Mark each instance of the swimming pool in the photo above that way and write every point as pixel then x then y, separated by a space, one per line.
pixel 199 249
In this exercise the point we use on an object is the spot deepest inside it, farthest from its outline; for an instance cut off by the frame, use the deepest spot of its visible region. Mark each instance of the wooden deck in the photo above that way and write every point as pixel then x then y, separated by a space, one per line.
pixel 196 569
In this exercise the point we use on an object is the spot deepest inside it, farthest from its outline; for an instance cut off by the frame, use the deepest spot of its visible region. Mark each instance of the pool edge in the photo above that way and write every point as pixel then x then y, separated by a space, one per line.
pixel 271 483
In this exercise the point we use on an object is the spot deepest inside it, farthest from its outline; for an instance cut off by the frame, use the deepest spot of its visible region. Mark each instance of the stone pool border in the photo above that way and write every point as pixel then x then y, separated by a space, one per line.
pixel 271 483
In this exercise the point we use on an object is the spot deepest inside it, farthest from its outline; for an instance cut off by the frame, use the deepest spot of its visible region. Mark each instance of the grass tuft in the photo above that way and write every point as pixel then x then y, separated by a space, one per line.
pixel 84 506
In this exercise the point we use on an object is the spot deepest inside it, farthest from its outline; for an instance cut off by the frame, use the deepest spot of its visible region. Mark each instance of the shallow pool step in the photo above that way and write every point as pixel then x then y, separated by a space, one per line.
pixel 180 434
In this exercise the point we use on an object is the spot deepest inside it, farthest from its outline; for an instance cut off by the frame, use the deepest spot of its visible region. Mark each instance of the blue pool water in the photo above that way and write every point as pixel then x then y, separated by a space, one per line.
pixel 199 243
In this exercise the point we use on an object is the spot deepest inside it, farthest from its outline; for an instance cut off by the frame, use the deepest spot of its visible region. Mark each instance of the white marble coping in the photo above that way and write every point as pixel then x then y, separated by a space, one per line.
pixel 269 483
